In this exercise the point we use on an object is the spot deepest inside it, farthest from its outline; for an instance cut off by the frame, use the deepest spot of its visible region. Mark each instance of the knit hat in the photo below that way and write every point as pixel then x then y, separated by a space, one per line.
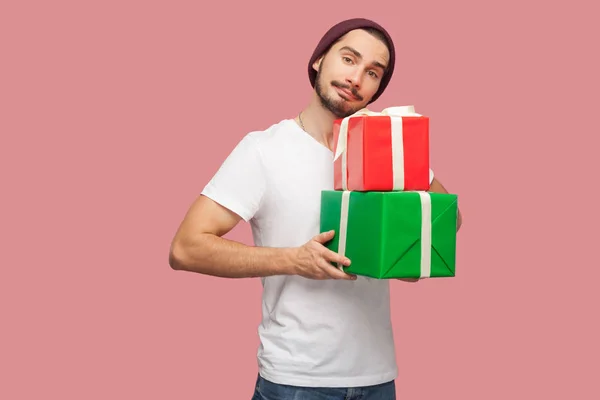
pixel 339 30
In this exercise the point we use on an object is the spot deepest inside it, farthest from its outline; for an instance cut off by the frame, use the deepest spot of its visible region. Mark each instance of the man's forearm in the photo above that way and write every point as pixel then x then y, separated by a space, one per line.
pixel 217 256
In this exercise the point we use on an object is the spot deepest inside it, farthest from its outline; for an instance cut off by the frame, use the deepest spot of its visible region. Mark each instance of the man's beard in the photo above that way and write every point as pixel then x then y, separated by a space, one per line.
pixel 335 106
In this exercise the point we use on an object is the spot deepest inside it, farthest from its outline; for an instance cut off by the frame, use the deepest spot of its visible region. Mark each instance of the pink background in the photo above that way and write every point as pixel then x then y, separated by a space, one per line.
pixel 114 116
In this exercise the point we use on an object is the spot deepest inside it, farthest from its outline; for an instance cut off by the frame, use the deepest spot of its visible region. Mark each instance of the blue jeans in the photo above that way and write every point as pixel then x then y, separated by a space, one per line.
pixel 266 390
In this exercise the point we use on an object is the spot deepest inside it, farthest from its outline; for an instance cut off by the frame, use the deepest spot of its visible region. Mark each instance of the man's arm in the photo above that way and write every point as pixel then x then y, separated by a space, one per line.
pixel 198 246
pixel 437 187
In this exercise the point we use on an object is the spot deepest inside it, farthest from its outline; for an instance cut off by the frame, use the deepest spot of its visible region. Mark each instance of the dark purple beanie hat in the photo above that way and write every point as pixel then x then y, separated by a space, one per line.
pixel 339 30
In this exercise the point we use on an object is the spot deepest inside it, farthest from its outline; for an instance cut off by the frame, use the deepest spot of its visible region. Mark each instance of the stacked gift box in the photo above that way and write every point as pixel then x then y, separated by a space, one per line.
pixel 386 220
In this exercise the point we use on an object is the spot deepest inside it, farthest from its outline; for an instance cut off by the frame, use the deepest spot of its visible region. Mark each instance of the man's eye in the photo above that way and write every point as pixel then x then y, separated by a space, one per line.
pixel 347 59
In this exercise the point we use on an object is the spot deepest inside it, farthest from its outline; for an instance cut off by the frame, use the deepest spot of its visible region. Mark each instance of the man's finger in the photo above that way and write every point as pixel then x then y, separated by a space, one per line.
pixel 334 272
pixel 408 279
pixel 335 257
pixel 324 237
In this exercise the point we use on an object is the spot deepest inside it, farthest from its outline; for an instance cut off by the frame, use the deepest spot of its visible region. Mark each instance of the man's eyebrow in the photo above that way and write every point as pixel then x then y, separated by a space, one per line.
pixel 358 55
pixel 352 50
pixel 380 65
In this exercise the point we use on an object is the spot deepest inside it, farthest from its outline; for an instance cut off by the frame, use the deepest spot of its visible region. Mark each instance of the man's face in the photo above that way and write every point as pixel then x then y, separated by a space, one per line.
pixel 350 73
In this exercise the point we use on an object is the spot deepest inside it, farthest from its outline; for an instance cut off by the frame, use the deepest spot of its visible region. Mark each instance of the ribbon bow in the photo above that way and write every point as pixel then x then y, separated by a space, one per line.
pixel 398 111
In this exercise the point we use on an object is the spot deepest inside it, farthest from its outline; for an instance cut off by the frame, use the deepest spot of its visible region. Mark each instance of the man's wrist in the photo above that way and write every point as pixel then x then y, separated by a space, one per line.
pixel 288 261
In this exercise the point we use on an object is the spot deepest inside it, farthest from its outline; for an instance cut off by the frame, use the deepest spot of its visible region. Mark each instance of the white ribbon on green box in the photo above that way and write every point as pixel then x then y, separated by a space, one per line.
pixel 425 234
pixel 395 114
pixel 425 200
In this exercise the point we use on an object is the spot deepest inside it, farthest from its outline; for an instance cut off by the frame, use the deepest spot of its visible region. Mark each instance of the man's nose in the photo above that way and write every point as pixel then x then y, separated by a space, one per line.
pixel 354 77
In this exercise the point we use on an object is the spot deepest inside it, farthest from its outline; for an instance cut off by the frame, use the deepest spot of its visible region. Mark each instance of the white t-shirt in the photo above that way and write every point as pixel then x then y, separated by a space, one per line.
pixel 333 333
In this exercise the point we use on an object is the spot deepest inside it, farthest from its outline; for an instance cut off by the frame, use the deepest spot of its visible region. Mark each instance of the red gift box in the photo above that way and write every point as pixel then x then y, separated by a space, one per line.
pixel 386 151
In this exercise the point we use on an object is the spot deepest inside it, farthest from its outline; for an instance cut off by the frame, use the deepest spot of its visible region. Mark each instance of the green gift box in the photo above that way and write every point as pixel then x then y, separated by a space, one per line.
pixel 401 234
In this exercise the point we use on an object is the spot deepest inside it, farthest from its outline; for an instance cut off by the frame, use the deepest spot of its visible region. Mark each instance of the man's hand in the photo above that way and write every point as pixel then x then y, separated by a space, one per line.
pixel 312 260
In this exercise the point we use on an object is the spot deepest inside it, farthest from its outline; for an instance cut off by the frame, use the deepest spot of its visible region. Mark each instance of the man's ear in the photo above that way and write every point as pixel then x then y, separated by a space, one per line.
pixel 317 63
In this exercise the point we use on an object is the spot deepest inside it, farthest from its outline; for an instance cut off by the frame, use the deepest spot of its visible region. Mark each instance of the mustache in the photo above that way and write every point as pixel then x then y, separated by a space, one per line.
pixel 348 87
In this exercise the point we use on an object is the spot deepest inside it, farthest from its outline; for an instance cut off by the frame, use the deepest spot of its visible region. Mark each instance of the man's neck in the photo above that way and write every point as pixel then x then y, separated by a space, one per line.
pixel 318 122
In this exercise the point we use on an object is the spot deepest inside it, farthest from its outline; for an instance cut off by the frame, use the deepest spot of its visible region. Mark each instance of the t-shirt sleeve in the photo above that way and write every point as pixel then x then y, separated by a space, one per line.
pixel 239 183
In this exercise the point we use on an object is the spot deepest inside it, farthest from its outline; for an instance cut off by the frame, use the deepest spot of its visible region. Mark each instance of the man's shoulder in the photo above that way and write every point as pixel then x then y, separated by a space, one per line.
pixel 270 135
